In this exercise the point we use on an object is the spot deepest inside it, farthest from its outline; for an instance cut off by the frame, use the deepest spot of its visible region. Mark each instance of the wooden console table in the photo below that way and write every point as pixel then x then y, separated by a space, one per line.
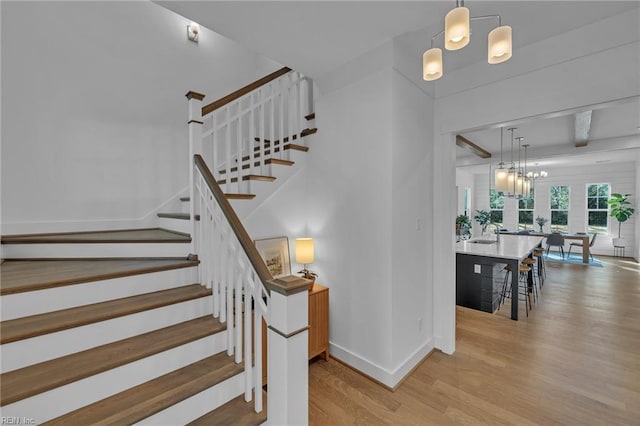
pixel 318 327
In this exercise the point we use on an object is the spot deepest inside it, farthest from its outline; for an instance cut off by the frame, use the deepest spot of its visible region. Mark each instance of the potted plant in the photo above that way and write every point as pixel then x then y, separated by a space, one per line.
pixel 541 221
pixel 620 209
pixel 462 223
pixel 483 217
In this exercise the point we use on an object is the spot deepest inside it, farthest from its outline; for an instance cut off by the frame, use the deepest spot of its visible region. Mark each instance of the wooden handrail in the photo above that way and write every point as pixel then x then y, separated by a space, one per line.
pixel 237 227
pixel 241 92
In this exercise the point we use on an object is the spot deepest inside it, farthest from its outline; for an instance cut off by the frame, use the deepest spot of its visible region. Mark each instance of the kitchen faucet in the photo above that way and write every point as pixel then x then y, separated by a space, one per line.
pixel 497 231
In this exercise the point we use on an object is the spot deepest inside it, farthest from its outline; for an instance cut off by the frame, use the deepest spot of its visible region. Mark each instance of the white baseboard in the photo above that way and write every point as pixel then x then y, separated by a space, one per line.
pixel 389 378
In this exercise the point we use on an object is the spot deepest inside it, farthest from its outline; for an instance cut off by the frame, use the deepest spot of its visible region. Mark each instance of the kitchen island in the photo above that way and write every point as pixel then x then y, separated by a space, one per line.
pixel 478 262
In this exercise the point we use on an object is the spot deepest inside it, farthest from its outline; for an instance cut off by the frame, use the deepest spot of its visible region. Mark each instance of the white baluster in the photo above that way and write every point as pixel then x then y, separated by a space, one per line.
pixel 247 347
pixel 257 376
pixel 238 312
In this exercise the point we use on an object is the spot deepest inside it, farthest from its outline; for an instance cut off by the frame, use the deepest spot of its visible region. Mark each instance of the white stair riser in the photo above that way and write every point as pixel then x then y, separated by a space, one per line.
pixel 178 225
pixel 53 299
pixel 199 404
pixel 53 345
pixel 185 207
pixel 109 250
pixel 59 401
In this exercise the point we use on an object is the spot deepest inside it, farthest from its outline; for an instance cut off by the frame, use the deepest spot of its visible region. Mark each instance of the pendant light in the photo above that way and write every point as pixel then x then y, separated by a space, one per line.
pixel 499 50
pixel 501 173
pixel 432 64
pixel 456 27
pixel 512 174
pixel 457 34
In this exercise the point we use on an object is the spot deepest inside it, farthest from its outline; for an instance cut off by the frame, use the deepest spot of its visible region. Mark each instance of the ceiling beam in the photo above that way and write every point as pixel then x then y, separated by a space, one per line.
pixel 465 143
pixel 582 128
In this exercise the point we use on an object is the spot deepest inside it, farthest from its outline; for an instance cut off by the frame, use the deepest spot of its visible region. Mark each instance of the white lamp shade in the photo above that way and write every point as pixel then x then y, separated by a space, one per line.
pixel 519 186
pixel 501 181
pixel 456 28
pixel 499 45
pixel 304 250
pixel 432 64
pixel 511 182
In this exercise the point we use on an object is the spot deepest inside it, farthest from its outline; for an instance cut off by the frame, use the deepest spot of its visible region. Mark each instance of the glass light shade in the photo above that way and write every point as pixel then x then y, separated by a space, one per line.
pixel 544 174
pixel 519 186
pixel 499 45
pixel 304 250
pixel 501 182
pixel 432 64
pixel 511 182
pixel 527 187
pixel 456 28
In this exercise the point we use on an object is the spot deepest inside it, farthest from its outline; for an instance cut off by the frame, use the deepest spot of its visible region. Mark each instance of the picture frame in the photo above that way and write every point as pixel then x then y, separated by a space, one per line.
pixel 275 253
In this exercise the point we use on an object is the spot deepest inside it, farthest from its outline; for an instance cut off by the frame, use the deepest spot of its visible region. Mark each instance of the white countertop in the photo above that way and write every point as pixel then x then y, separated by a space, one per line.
pixel 509 247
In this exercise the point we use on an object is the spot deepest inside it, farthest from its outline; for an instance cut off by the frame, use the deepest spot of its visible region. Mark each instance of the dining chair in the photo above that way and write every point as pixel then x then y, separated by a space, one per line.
pixel 555 239
pixel 593 239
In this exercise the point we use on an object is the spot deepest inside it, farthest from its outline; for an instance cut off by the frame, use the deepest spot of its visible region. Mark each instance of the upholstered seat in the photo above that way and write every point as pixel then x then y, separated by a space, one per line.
pixel 557 240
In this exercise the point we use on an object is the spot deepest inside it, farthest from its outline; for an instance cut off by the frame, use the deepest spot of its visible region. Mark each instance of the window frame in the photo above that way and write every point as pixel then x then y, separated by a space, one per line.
pixel 496 208
pixel 554 226
pixel 530 207
pixel 598 198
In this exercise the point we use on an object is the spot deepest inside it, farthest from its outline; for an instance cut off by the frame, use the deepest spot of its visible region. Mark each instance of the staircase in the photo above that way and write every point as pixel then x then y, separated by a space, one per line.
pixel 126 326
pixel 111 340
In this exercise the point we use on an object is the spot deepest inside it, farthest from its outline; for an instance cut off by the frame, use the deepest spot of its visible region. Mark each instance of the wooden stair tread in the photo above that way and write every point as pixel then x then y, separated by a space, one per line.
pixel 236 412
pixel 261 178
pixel 185 199
pixel 37 325
pixel 257 164
pixel 149 235
pixel 148 398
pixel 240 196
pixel 267 142
pixel 32 380
pixel 310 116
pixel 20 276
pixel 182 216
pixel 277 149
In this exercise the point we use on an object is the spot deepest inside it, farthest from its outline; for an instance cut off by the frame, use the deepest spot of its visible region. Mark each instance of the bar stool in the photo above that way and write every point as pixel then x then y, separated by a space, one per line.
pixel 505 285
pixel 522 290
pixel 531 263
pixel 539 266
pixel 524 279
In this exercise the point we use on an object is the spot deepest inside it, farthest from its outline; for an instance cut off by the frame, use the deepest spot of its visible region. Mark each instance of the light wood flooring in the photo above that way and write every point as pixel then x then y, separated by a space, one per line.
pixel 575 361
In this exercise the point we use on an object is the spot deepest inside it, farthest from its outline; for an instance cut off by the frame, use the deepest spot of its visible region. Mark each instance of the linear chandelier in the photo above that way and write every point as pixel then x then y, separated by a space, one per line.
pixel 457 34
pixel 513 182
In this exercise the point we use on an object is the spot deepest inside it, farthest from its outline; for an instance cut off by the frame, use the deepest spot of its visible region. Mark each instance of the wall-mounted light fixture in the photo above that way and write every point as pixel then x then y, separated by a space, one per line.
pixel 457 34
pixel 193 31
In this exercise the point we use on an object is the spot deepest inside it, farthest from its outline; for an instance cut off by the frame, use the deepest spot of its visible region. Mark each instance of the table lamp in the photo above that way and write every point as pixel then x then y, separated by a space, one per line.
pixel 305 255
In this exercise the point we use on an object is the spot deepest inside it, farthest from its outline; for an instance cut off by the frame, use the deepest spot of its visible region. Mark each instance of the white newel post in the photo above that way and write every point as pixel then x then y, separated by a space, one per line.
pixel 194 100
pixel 288 351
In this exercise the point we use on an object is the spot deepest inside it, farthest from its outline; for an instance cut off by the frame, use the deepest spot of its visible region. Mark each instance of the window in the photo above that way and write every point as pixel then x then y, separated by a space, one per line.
pixel 525 213
pixel 559 208
pixel 496 205
pixel 597 208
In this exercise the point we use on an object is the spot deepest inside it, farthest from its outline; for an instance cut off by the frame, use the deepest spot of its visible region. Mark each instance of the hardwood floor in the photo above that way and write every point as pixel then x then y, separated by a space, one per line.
pixel 575 360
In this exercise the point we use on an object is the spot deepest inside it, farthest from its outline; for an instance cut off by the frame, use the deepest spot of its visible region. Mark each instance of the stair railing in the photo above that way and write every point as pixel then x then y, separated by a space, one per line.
pixel 242 286
pixel 244 130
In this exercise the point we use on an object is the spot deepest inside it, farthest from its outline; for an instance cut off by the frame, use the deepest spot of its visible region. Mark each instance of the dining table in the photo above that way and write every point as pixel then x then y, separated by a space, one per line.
pixel 582 236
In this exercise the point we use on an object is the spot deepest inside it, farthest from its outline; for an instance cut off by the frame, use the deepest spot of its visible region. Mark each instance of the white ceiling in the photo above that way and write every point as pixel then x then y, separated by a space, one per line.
pixel 316 37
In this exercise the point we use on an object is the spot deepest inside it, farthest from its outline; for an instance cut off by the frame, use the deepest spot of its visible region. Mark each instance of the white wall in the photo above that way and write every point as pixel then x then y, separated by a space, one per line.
pixel 362 195
pixel 94 113
pixel 412 224
pixel 621 176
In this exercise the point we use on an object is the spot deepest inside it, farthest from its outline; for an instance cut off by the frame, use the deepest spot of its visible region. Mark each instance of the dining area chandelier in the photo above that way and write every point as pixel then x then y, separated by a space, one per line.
pixel 457 34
